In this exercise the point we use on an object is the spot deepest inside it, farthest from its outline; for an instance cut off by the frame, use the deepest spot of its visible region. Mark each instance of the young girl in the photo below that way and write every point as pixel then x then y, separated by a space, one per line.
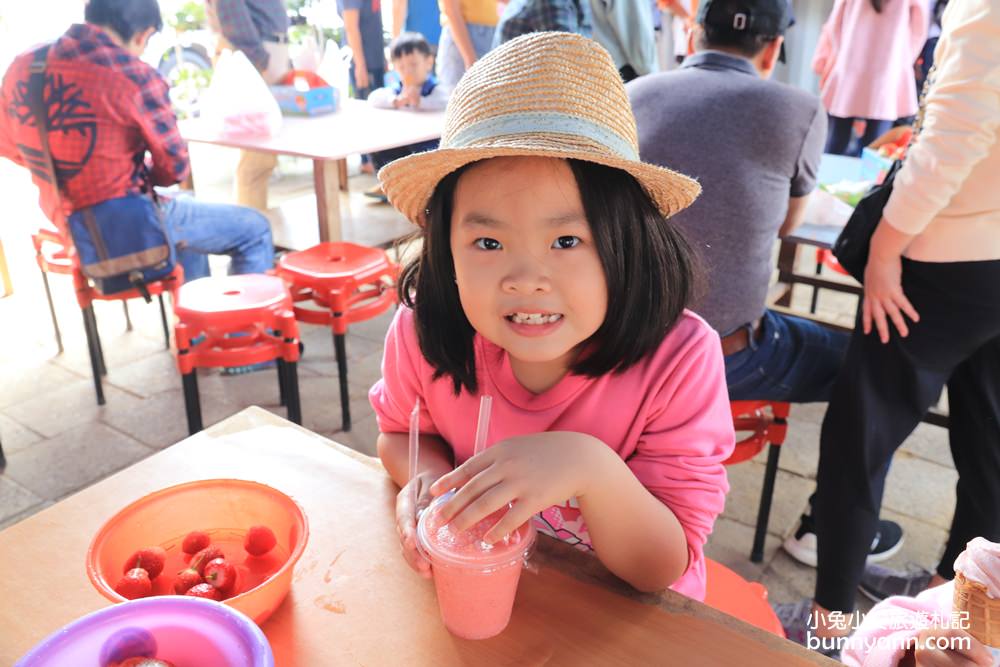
pixel 550 280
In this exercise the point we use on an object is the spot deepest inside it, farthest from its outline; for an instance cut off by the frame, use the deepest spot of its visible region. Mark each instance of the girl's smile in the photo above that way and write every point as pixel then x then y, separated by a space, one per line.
pixel 529 275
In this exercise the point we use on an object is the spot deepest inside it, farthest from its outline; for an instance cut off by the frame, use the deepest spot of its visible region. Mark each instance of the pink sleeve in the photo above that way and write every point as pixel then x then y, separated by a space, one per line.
pixel 680 454
pixel 403 368
pixel 881 639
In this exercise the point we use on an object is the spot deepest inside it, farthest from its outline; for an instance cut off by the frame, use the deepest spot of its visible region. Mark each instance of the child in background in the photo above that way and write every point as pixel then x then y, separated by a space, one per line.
pixel 412 85
pixel 550 279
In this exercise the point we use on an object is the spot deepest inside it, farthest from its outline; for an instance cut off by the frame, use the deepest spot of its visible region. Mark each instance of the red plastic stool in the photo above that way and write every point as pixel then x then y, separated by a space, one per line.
pixel 236 321
pixel 746 600
pixel 345 283
pixel 54 253
pixel 767 422
pixel 825 258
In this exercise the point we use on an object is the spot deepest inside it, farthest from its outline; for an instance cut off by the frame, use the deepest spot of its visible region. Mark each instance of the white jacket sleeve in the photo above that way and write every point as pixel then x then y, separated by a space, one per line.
pixel 381 98
pixel 962 116
pixel 437 100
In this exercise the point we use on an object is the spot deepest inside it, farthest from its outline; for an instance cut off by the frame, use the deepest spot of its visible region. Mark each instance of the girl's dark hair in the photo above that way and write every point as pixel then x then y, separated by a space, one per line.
pixel 878 5
pixel 649 266
pixel 125 17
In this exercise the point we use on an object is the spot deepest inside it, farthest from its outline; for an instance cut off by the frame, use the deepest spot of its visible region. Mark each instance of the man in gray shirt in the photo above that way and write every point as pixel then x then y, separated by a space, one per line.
pixel 755 146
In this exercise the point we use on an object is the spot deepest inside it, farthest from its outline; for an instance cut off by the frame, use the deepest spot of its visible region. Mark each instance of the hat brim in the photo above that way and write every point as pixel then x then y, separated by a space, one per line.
pixel 410 182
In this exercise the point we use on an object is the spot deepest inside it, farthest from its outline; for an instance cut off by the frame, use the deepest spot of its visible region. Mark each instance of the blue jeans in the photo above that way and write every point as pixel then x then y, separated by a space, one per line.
pixel 451 65
pixel 200 229
pixel 795 360
pixel 841 132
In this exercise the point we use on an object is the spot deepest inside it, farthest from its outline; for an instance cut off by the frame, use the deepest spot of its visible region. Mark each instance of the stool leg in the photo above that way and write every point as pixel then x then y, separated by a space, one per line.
pixel 52 310
pixel 166 327
pixel 93 347
pixel 282 381
pixel 97 340
pixel 128 318
pixel 192 403
pixel 815 296
pixel 340 345
pixel 292 392
pixel 764 512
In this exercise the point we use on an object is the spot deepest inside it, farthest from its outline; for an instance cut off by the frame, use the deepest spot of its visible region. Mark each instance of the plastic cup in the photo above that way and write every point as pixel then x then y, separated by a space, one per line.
pixel 181 630
pixel 475 582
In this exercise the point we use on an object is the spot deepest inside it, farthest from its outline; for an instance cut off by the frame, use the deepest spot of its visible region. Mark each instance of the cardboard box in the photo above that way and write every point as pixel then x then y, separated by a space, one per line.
pixel 311 102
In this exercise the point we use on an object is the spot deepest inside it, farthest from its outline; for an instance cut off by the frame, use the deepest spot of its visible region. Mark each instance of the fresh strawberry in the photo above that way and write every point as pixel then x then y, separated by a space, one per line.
pixel 150 559
pixel 202 558
pixel 221 574
pixel 205 591
pixel 135 584
pixel 185 580
pixel 259 540
pixel 195 542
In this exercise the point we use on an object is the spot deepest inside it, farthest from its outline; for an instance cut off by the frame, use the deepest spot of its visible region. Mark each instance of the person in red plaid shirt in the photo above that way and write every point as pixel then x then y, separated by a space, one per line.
pixel 258 28
pixel 107 111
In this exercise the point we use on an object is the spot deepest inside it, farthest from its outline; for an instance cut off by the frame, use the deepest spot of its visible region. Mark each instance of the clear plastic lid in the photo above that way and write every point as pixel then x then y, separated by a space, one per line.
pixel 438 541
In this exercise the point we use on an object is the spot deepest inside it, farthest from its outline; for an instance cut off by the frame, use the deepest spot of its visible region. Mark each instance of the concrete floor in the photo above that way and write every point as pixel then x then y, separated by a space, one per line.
pixel 58 440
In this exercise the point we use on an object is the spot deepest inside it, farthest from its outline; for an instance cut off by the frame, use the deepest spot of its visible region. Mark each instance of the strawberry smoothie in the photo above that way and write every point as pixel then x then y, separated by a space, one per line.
pixel 476 581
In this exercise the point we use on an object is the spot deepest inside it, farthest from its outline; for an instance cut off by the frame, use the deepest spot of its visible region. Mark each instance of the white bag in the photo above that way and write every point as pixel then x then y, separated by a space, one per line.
pixel 238 103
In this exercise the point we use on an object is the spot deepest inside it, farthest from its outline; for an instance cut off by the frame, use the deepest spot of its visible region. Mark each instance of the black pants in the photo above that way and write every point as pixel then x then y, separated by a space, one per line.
pixel 881 395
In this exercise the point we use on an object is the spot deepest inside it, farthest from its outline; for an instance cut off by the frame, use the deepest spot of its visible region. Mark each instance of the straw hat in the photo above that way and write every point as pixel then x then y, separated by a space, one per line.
pixel 550 94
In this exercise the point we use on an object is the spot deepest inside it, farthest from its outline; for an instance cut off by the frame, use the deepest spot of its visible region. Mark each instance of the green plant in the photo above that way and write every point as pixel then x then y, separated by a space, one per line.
pixel 191 16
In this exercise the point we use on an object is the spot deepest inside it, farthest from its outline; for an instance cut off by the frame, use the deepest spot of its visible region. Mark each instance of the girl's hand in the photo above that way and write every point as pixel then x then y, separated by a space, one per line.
pixel 884 299
pixel 407 514
pixel 530 471
pixel 945 647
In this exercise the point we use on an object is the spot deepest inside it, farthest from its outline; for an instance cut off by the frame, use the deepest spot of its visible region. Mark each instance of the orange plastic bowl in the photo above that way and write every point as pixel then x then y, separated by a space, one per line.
pixel 223 508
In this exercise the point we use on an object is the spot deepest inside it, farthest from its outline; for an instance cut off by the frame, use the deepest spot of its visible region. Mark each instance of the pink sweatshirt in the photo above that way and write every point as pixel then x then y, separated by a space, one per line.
pixel 864 59
pixel 668 417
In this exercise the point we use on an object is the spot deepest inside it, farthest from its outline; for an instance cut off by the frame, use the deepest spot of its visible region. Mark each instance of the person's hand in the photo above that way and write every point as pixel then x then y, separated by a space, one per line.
pixel 409 97
pixel 884 299
pixel 531 471
pixel 407 514
pixel 945 647
pixel 892 136
pixel 361 79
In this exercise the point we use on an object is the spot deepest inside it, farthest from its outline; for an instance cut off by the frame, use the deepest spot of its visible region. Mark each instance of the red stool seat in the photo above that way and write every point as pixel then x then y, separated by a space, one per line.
pixel 767 425
pixel 336 284
pixel 236 321
pixel 746 600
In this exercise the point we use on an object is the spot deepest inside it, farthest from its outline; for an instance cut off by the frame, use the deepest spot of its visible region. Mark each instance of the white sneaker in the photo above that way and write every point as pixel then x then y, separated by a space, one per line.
pixel 801 545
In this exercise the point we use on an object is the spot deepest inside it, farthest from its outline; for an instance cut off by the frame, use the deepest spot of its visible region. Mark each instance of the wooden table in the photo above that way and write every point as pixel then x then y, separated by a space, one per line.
pixel 328 140
pixel 354 600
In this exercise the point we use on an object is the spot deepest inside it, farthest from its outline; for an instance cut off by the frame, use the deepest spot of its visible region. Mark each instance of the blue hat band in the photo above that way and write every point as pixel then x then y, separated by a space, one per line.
pixel 542 122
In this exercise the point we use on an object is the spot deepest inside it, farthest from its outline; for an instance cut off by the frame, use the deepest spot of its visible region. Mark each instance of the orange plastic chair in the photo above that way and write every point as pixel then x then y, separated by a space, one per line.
pixel 767 424
pixel 339 284
pixel 236 321
pixel 746 600
pixel 54 253
pixel 825 258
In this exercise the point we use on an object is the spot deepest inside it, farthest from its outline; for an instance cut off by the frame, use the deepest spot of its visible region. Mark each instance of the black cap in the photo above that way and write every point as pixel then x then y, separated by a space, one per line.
pixel 769 18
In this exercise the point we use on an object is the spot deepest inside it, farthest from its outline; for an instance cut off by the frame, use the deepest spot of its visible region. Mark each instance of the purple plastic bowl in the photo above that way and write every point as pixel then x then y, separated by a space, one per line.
pixel 181 629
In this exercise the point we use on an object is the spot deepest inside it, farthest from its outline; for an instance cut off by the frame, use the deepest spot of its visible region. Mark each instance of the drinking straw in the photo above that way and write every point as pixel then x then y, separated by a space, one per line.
pixel 483 425
pixel 414 446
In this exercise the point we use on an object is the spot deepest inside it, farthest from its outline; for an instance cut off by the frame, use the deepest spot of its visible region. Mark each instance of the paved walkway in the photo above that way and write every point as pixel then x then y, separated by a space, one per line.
pixel 58 440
